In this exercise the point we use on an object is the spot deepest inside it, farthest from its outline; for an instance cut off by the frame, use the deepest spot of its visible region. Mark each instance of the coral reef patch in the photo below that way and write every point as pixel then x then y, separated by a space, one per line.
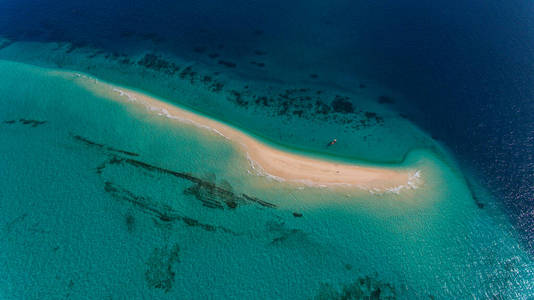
pixel 32 123
pixel 160 271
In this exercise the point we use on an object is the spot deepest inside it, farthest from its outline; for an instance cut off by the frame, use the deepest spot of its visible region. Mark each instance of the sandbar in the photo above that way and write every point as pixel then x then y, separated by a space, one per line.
pixel 268 160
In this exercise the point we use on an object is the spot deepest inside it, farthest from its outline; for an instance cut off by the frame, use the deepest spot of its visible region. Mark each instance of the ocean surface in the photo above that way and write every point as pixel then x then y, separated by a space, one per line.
pixel 102 199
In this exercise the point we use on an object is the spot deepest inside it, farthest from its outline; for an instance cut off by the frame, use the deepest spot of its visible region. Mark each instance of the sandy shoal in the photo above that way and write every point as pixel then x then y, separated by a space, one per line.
pixel 265 159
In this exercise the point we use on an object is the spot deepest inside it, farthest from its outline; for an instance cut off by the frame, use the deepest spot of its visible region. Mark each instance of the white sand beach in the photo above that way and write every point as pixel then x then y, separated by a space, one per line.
pixel 264 159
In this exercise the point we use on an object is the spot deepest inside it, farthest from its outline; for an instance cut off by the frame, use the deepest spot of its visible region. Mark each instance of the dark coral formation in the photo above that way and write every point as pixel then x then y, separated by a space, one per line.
pixel 292 102
pixel 210 194
pixel 32 123
pixel 91 143
pixel 257 64
pixel 228 64
pixel 130 222
pixel 213 196
pixel 363 288
pixel 5 43
pixel 342 105
pixel 205 190
pixel 192 222
pixel 284 236
pixel 154 62
pixel 291 235
pixel 160 271
pixel 71 46
pixel 188 74
pixel 216 87
pixel 304 103
pixel 236 97
pixel 122 151
pixel 321 107
pixel 474 196
pixel 162 213
pixel 258 201
pixel 120 57
pixel 96 53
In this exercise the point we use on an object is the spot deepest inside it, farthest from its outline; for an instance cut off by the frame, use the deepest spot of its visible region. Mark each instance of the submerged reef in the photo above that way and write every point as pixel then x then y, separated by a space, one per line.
pixel 300 102
pixel 5 43
pixel 154 62
pixel 160 271
pixel 237 98
pixel 228 64
pixel 257 64
pixel 91 143
pixel 284 236
pixel 342 105
pixel 278 100
pixel 206 190
pixel 32 123
pixel 163 213
pixel 130 222
pixel 297 215
pixel 472 191
pixel 209 193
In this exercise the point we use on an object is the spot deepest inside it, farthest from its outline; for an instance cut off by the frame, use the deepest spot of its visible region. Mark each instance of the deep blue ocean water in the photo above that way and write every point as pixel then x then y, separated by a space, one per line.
pixel 463 70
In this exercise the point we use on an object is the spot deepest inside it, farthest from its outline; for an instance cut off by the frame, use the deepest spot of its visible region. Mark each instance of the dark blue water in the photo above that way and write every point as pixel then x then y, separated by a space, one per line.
pixel 466 68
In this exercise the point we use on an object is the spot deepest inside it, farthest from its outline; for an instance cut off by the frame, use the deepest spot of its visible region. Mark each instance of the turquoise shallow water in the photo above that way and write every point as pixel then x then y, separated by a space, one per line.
pixel 103 200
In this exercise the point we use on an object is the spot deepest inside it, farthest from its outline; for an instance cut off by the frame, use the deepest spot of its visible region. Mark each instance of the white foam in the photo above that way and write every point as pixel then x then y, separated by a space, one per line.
pixel 122 93
pixel 164 112
pixel 412 183
pixel 258 170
